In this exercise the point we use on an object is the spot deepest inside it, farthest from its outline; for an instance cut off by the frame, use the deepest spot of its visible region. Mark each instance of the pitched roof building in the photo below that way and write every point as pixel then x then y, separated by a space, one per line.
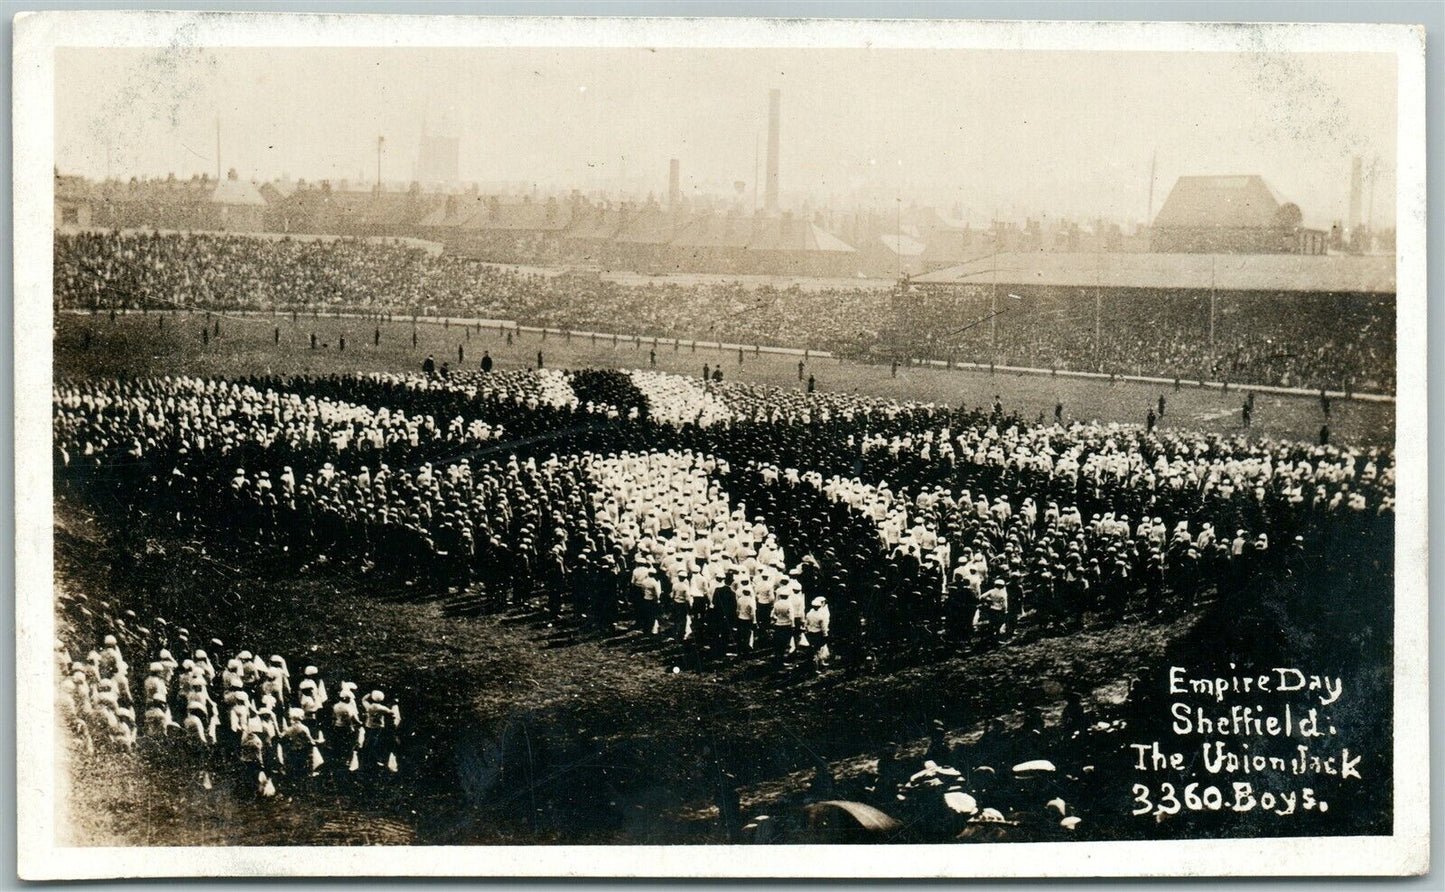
pixel 1231 215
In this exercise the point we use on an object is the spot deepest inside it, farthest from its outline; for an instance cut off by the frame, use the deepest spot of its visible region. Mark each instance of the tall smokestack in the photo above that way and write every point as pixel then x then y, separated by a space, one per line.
pixel 775 114
pixel 1357 176
pixel 674 183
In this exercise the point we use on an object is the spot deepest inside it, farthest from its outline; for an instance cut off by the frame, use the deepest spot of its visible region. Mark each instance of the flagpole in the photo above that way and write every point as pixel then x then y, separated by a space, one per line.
pixel 1098 313
pixel 1149 218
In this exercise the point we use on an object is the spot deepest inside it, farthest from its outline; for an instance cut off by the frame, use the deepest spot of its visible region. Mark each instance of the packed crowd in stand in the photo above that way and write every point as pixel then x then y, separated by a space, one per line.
pixel 1336 341
pixel 242 722
pixel 737 518
pixel 1341 341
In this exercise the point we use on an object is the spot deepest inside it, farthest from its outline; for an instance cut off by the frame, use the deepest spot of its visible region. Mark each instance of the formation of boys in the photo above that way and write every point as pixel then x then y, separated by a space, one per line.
pixel 242 722
pixel 737 518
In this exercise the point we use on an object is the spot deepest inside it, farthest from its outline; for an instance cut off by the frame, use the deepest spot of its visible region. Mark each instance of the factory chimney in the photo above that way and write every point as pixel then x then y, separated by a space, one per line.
pixel 1357 176
pixel 775 113
pixel 674 184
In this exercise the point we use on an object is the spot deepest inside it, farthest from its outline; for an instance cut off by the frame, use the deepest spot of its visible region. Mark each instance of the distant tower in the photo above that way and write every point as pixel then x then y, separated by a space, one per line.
pixel 674 183
pixel 775 114
pixel 1357 188
pixel 437 157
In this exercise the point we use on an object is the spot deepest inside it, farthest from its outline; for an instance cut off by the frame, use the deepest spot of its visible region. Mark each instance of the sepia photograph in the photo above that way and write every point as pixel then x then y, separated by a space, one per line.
pixel 705 447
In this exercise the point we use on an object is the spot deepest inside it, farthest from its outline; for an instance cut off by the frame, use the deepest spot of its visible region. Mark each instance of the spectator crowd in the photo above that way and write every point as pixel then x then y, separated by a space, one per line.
pixel 1336 341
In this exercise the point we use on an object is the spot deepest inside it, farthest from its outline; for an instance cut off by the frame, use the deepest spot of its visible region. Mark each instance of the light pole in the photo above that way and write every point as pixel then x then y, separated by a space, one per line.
pixel 993 310
pixel 898 237
pixel 1212 298
pixel 379 141
pixel 1370 227
pixel 1098 314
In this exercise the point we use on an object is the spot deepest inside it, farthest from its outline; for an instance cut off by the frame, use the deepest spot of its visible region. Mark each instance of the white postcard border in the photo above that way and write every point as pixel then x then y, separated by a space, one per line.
pixel 38 34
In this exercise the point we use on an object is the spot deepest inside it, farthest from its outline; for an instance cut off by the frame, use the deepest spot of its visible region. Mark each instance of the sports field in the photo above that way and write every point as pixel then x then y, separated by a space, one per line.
pixel 171 343
pixel 521 728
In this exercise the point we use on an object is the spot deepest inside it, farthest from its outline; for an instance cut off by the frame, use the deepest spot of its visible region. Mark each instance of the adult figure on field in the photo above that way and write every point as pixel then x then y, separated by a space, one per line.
pixel 486 361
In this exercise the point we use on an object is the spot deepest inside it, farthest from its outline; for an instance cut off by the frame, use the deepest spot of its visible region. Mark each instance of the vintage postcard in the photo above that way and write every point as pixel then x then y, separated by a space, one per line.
pixel 719 448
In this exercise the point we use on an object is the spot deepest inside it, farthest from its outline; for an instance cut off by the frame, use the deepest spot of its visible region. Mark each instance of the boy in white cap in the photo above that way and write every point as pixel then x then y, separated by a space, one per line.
pixel 816 624
pixel 298 748
pixel 346 734
pixel 311 673
pixel 381 720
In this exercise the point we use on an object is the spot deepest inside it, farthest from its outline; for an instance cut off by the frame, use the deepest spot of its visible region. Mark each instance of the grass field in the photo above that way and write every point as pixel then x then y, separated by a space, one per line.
pixel 171 343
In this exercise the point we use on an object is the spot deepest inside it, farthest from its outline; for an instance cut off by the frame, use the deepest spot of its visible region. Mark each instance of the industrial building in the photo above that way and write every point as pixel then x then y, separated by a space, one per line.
pixel 1231 215
pixel 437 159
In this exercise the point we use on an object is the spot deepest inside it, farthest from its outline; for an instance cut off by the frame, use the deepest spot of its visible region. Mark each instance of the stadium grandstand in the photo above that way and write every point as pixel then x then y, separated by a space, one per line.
pixel 1292 320
pixel 1283 320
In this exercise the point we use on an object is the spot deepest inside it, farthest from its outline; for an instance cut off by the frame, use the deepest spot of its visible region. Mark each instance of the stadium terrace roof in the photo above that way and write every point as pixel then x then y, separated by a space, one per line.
pixel 531 216
pixel 822 240
pixel 594 223
pixel 1314 273
pixel 395 209
pixel 716 231
pixel 647 225
pixel 902 245
pixel 237 192
pixel 68 188
pixel 794 234
pixel 454 213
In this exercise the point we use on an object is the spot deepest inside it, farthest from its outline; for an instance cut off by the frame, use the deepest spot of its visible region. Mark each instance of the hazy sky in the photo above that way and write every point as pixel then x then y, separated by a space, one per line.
pixel 1011 132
